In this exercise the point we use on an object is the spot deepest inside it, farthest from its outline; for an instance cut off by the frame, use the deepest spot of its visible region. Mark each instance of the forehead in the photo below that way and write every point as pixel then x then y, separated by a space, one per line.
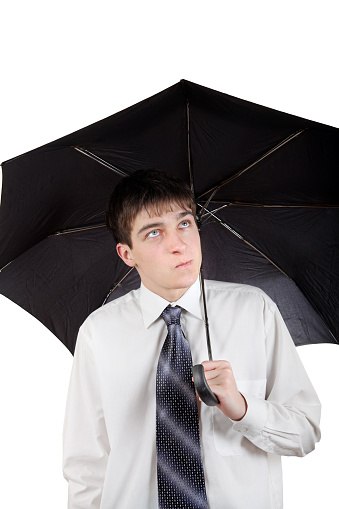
pixel 158 213
pixel 163 208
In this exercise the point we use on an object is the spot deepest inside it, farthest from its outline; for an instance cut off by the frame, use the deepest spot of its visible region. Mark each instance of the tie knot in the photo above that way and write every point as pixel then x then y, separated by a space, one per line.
pixel 171 315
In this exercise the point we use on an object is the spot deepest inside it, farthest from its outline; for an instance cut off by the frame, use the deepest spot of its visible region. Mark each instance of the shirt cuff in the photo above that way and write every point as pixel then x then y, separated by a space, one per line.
pixel 255 418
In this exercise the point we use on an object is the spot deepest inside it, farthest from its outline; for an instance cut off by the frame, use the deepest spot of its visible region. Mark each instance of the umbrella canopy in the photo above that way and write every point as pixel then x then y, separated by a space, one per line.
pixel 264 183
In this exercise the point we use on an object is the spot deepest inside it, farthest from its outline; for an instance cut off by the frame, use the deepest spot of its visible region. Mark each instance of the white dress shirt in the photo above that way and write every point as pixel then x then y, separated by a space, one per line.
pixel 110 423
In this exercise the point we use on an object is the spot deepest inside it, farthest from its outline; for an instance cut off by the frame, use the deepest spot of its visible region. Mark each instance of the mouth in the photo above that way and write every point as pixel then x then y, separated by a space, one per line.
pixel 184 265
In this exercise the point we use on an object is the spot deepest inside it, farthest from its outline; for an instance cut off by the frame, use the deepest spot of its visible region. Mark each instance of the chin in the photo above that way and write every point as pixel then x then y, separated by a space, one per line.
pixel 186 282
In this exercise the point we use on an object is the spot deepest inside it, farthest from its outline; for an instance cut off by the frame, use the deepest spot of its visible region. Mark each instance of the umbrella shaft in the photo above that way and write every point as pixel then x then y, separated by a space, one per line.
pixel 209 348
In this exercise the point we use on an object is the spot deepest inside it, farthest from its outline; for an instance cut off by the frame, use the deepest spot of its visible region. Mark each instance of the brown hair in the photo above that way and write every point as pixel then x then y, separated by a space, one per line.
pixel 152 190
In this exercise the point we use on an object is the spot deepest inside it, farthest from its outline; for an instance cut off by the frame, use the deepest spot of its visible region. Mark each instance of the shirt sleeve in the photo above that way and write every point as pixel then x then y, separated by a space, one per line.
pixel 287 421
pixel 85 440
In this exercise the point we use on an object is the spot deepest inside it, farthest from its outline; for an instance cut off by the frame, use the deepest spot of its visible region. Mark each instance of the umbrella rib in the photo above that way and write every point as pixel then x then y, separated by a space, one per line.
pixel 274 205
pixel 2 268
pixel 67 230
pixel 208 212
pixel 114 287
pixel 100 160
pixel 62 232
pixel 77 229
pixel 240 172
pixel 189 147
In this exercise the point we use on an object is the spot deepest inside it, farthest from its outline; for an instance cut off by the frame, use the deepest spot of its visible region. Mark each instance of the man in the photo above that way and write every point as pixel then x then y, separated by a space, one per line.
pixel 115 419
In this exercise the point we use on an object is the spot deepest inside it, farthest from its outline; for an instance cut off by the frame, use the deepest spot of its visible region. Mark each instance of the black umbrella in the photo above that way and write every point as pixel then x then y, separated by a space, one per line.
pixel 265 187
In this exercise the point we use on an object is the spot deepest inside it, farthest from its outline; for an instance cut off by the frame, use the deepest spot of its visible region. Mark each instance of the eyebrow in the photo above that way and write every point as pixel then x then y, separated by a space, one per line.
pixel 161 223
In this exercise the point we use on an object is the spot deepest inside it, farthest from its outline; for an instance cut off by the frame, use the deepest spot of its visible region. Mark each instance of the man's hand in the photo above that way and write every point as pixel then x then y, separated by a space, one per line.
pixel 220 378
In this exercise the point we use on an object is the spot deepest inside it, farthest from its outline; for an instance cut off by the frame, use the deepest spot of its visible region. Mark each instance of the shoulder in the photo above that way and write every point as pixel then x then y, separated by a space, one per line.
pixel 240 295
pixel 224 288
pixel 245 302
pixel 114 310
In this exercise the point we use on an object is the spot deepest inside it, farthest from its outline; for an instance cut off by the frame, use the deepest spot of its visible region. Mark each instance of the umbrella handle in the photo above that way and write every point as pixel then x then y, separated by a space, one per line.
pixel 202 387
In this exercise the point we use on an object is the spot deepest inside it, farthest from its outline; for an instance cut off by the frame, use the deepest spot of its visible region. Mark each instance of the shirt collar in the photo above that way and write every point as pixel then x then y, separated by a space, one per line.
pixel 152 304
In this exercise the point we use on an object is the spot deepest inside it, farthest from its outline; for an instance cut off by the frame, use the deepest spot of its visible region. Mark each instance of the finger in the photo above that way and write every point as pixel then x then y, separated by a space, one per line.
pixel 213 374
pixel 211 365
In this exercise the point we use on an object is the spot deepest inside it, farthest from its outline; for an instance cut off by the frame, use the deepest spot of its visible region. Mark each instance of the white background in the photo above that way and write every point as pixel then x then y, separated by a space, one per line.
pixel 67 64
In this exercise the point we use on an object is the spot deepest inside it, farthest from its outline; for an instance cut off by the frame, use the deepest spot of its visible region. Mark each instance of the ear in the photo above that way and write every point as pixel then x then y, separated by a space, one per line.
pixel 125 253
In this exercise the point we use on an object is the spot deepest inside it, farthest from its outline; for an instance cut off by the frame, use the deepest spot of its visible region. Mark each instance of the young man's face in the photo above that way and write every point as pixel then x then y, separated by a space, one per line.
pixel 165 250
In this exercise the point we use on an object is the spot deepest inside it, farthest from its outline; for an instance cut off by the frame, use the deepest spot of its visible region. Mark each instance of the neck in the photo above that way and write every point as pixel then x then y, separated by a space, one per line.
pixel 169 294
pixel 174 295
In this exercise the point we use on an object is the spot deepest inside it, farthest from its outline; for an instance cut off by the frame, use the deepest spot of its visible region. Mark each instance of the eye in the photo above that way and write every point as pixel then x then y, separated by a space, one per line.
pixel 184 224
pixel 153 233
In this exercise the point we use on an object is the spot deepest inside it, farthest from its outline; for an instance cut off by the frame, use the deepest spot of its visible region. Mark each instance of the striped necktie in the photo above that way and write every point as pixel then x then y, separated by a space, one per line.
pixel 181 483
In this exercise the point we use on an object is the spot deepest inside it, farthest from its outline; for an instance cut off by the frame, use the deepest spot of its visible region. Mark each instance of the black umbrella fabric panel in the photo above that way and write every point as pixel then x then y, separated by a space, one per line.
pixel 227 257
pixel 227 135
pixel 292 244
pixel 153 134
pixel 141 132
pixel 300 172
pixel 45 192
pixel 62 279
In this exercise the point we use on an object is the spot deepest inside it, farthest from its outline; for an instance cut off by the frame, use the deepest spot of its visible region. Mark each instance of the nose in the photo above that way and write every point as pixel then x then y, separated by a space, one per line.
pixel 175 244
